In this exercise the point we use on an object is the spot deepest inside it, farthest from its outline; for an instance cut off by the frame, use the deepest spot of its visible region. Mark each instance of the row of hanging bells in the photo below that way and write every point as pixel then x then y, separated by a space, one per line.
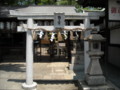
pixel 59 36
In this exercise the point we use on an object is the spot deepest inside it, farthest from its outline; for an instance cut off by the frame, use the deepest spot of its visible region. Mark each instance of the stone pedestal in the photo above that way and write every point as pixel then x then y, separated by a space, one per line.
pixel 29 87
pixel 85 86
pixel 95 75
pixel 95 80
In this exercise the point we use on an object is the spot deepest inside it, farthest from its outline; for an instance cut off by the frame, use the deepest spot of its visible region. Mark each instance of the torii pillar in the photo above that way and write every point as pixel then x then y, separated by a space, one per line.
pixel 29 84
pixel 86 44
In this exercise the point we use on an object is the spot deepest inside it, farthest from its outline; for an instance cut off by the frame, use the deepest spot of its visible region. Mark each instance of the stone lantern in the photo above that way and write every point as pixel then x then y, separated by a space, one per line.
pixel 94 76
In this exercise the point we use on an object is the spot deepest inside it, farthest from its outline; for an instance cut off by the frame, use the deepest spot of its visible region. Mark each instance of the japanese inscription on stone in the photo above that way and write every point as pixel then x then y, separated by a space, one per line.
pixel 59 20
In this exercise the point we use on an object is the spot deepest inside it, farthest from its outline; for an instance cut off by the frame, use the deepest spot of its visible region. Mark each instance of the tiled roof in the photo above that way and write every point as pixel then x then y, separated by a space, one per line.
pixel 95 37
pixel 47 9
pixel 38 10
pixel 46 12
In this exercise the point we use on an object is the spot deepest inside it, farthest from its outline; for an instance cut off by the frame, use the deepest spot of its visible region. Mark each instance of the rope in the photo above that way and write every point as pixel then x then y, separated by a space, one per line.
pixel 57 30
pixel 60 29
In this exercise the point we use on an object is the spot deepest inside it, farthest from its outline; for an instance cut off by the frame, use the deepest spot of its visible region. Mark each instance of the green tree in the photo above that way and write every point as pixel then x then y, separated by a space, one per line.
pixel 37 2
pixel 17 2
pixel 46 2
pixel 66 2
pixel 26 2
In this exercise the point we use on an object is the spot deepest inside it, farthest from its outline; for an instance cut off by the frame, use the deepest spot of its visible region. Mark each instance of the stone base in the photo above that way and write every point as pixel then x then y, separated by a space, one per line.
pixel 84 86
pixel 71 66
pixel 29 87
pixel 95 80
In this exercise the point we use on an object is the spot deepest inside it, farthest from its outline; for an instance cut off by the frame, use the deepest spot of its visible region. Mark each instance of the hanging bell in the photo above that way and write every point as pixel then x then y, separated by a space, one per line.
pixel 34 35
pixel 59 36
pixel 45 39
pixel 71 35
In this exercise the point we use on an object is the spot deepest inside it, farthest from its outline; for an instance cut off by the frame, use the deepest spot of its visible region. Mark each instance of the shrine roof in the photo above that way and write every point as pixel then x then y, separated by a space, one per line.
pixel 42 11
pixel 38 9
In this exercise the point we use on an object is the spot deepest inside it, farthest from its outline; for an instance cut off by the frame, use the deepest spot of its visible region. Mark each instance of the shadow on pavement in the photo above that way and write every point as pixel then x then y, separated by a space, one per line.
pixel 12 67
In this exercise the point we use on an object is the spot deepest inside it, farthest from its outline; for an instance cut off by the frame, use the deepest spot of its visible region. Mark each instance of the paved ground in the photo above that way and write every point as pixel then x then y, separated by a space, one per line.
pixel 48 75
pixel 57 86
pixel 12 75
pixel 52 71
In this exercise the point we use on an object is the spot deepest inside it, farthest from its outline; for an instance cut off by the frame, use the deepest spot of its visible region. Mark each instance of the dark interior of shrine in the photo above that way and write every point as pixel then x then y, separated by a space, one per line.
pixel 13 44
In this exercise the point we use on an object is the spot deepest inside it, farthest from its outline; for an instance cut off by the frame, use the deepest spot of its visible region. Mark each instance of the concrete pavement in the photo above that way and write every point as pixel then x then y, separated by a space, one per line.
pixel 12 75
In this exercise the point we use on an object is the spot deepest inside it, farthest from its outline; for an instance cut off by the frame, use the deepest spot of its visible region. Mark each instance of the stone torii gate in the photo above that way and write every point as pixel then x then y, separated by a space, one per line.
pixel 59 24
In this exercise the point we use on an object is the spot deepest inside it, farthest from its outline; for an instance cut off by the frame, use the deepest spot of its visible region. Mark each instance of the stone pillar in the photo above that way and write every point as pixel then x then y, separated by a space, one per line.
pixel 73 56
pixel 86 44
pixel 29 85
pixel 73 52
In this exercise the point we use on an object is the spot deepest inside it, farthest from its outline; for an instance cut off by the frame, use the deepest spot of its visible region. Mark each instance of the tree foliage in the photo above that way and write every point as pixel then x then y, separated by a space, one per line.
pixel 67 2
pixel 16 2
pixel 46 2
pixel 37 2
